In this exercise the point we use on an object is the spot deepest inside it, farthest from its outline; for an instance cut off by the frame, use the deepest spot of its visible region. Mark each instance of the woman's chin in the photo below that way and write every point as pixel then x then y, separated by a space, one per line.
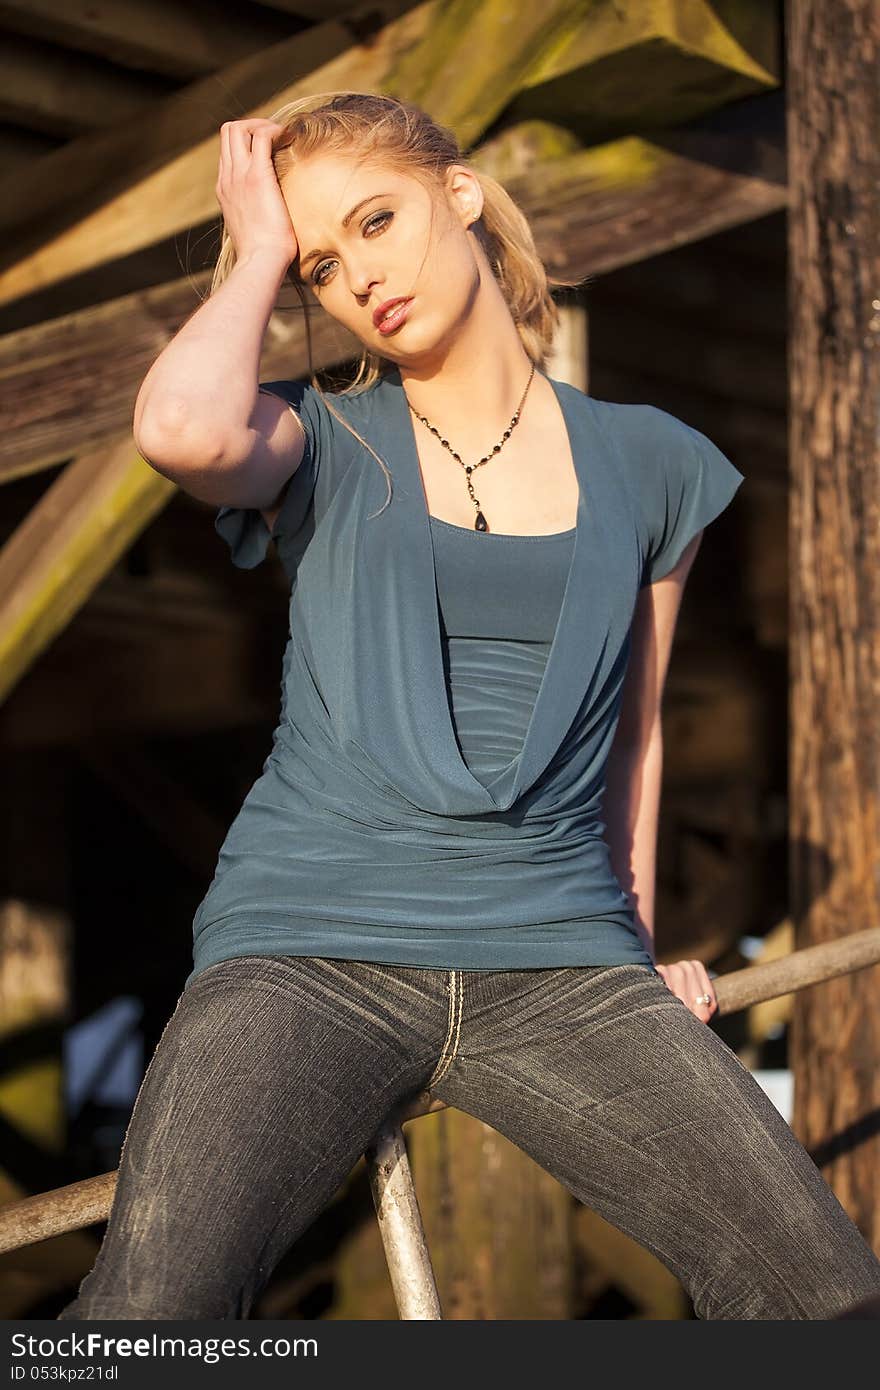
pixel 410 343
pixel 413 346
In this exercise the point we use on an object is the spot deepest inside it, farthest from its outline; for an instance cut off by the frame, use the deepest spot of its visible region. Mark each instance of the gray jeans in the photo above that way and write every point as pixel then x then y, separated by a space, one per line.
pixel 273 1073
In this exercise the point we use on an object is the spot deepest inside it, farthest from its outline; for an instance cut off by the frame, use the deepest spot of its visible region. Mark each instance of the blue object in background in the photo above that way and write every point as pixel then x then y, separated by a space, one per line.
pixel 104 1056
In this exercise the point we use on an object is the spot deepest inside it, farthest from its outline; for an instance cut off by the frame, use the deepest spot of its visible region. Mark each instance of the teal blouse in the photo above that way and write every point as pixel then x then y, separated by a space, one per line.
pixel 499 598
pixel 393 820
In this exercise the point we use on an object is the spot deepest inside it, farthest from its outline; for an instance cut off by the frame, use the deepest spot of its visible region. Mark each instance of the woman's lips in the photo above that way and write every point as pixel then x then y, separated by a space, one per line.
pixel 393 320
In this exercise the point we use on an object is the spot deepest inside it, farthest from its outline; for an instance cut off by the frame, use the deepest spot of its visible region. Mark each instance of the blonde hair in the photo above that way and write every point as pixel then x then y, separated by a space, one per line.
pixel 400 135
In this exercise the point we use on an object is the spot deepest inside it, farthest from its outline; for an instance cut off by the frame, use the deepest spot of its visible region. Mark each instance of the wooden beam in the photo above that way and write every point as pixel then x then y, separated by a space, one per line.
pixel 126 170
pixel 473 59
pixel 465 63
pixel 68 94
pixel 163 36
pixel 316 10
pixel 591 211
pixel 834 330
pixel 633 65
pixel 48 397
pixel 613 204
pixel 20 147
pixel 480 1194
pixel 86 519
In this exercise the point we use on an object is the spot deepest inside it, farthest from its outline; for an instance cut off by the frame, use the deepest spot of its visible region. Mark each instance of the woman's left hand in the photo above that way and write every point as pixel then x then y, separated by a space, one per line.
pixel 689 982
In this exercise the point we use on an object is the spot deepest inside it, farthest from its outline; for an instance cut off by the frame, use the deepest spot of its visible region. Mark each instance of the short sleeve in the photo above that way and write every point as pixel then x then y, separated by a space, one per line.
pixel 688 485
pixel 244 528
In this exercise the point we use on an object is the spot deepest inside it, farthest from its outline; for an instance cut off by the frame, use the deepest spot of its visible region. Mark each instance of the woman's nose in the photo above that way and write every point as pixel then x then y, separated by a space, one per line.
pixel 362 279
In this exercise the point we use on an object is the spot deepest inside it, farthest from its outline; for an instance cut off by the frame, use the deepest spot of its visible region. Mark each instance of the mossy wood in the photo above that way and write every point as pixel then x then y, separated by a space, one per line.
pixel 113 194
pixel 592 211
pixel 79 529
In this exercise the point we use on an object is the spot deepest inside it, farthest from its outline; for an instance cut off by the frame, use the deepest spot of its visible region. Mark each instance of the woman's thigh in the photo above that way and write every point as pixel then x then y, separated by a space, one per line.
pixel 612 1085
pixel 269 1080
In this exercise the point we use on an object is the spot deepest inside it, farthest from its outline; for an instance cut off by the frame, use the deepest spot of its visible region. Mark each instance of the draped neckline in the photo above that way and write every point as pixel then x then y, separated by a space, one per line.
pixel 569 667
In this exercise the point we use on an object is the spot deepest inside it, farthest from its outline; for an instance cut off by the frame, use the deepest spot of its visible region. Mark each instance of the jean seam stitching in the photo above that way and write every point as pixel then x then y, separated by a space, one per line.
pixel 453 1032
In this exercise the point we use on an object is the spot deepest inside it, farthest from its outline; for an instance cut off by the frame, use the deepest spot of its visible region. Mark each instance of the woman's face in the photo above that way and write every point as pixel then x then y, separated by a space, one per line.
pixel 379 235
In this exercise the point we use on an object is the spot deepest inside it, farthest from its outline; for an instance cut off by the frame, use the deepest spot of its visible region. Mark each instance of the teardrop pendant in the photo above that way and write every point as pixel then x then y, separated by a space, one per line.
pixel 481 524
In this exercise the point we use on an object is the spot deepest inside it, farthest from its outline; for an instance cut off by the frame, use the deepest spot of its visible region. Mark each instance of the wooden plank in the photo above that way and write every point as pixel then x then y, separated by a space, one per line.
pixel 19 148
pixel 309 9
pixel 640 63
pixel 111 171
pixel 64 547
pixel 57 403
pixel 168 185
pixel 428 55
pixel 617 203
pixel 68 94
pixel 591 211
pixel 163 36
pixel 473 59
pixel 834 777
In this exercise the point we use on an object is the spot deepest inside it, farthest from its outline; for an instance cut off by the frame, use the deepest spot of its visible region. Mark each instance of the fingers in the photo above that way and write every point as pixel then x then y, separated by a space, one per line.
pixel 704 1003
pixel 239 140
pixel 689 981
pixel 255 214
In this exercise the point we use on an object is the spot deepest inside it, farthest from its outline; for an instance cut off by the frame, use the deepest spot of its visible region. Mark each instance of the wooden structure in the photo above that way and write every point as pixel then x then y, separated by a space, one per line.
pixel 647 144
pixel 835 578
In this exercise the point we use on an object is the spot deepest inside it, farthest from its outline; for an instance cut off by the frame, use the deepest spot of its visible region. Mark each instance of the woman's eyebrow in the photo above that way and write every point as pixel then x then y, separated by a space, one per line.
pixel 304 260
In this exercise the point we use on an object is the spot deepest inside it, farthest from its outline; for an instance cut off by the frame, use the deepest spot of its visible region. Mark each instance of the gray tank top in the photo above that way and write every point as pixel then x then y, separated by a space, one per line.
pixel 499 598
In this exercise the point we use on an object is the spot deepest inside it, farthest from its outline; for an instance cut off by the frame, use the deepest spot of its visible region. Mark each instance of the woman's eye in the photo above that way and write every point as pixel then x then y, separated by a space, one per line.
pixel 380 217
pixel 379 222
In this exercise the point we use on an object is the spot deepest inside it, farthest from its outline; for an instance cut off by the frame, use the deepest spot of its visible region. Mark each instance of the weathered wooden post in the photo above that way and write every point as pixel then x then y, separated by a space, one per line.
pixel 833 116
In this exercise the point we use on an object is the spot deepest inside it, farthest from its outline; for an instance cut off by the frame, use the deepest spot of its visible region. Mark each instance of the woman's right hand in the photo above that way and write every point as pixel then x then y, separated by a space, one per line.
pixel 248 190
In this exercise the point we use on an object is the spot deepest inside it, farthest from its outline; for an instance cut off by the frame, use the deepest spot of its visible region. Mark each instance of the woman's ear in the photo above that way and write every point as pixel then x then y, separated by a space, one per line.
pixel 466 193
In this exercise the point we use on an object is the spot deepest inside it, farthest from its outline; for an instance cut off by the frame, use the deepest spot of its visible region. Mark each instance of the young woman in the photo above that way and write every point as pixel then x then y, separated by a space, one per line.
pixel 486 566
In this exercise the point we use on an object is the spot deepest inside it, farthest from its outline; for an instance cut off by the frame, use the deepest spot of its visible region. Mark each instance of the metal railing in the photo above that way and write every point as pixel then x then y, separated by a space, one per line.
pixel 32 1219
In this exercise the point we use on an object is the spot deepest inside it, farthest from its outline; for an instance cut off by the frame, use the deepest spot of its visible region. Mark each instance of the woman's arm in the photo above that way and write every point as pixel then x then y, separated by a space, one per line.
pixel 199 418
pixel 635 770
pixel 203 385
pixel 632 805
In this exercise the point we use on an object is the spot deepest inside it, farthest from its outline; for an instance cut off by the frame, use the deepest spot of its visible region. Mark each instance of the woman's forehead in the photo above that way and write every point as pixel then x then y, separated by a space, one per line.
pixel 326 186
